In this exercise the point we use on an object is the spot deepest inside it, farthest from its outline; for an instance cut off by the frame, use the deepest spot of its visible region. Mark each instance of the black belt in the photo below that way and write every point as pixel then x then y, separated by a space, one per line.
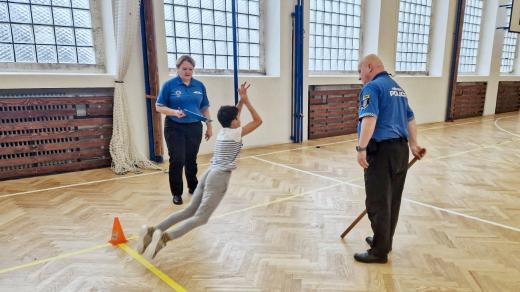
pixel 393 140
pixel 179 123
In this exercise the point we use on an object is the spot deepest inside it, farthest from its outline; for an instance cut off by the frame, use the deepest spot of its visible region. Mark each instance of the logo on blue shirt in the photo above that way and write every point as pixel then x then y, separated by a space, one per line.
pixel 396 91
pixel 178 93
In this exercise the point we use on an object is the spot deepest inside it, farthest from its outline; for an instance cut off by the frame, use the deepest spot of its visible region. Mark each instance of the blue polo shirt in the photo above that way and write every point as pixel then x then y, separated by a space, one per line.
pixel 176 95
pixel 384 99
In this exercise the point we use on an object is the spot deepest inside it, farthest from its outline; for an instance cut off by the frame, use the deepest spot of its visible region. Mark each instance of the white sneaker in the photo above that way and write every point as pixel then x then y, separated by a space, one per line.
pixel 157 243
pixel 145 237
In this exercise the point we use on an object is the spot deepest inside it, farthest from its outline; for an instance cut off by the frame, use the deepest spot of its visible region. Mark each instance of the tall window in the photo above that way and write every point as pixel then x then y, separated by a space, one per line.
pixel 45 31
pixel 509 48
pixel 470 36
pixel 334 35
pixel 203 29
pixel 413 35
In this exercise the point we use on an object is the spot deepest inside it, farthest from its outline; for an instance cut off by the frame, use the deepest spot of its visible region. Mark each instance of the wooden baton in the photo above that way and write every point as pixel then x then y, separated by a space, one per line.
pixel 358 218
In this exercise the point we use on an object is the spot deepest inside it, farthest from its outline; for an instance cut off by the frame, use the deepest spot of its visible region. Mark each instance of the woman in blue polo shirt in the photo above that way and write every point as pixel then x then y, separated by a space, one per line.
pixel 178 99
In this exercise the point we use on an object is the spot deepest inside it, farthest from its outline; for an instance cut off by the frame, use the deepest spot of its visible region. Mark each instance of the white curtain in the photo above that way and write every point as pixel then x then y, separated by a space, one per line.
pixel 125 157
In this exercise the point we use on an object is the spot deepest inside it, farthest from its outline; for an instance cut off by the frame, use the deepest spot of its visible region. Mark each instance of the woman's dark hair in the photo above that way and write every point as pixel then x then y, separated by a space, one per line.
pixel 226 114
pixel 185 58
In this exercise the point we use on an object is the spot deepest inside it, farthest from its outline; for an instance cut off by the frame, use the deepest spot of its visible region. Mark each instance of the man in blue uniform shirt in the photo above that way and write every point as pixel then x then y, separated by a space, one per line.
pixel 385 130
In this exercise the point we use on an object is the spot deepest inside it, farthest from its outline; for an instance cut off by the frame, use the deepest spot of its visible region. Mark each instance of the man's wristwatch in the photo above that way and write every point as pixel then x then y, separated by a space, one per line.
pixel 361 149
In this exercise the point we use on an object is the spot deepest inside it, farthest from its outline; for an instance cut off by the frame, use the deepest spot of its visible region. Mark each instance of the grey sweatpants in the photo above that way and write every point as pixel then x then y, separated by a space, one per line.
pixel 206 198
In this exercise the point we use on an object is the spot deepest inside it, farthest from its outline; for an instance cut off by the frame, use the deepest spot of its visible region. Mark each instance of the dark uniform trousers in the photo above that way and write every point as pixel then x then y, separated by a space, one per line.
pixel 384 183
pixel 183 141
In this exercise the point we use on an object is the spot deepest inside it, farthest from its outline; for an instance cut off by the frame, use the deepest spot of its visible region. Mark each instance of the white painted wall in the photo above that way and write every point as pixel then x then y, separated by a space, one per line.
pixel 271 93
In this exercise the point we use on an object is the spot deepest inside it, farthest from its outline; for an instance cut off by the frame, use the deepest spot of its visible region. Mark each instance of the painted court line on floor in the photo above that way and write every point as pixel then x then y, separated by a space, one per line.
pixel 276 201
pixel 410 200
pixel 161 275
pixel 101 246
pixel 464 215
pixel 338 182
pixel 80 184
pixel 354 140
pixel 504 130
pixel 154 172
pixel 258 155
pixel 173 284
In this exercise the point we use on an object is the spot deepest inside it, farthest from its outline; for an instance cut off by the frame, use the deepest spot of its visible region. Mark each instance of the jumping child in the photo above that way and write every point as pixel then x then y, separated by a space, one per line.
pixel 213 184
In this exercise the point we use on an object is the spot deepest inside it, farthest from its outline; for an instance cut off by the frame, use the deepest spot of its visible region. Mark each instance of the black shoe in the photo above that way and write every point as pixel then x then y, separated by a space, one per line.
pixel 370 241
pixel 177 200
pixel 191 191
pixel 367 257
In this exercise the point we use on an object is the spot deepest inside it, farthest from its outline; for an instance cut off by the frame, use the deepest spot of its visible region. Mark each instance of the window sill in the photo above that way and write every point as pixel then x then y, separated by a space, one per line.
pixel 512 74
pixel 12 80
pixel 226 76
pixel 472 78
pixel 334 75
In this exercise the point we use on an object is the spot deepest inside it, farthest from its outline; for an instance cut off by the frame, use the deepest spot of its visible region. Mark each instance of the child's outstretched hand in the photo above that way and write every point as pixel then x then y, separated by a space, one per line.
pixel 242 91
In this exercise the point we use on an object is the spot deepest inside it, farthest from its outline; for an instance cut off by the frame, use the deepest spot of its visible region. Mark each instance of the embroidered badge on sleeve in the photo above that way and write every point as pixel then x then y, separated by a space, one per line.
pixel 365 101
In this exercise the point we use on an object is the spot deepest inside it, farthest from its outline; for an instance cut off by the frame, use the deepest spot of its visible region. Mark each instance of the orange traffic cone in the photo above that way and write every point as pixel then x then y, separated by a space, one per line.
pixel 118 236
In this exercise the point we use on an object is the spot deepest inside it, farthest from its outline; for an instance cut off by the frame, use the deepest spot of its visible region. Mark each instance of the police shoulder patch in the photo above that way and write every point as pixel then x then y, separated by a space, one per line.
pixel 365 101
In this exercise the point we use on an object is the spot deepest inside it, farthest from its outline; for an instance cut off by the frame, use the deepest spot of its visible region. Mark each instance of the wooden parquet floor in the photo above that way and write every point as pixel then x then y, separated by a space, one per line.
pixel 278 227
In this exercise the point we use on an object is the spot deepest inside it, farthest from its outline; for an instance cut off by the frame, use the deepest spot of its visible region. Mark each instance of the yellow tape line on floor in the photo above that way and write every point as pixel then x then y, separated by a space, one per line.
pixel 59 257
pixel 122 246
pixel 151 267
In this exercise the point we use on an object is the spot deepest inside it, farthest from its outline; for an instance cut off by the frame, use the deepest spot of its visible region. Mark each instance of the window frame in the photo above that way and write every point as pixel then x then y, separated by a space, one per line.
pixel 98 45
pixel 515 51
pixel 478 44
pixel 354 70
pixel 426 72
pixel 206 71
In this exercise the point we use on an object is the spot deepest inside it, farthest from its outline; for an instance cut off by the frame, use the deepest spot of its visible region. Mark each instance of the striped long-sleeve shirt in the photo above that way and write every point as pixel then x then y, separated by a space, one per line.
pixel 227 148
